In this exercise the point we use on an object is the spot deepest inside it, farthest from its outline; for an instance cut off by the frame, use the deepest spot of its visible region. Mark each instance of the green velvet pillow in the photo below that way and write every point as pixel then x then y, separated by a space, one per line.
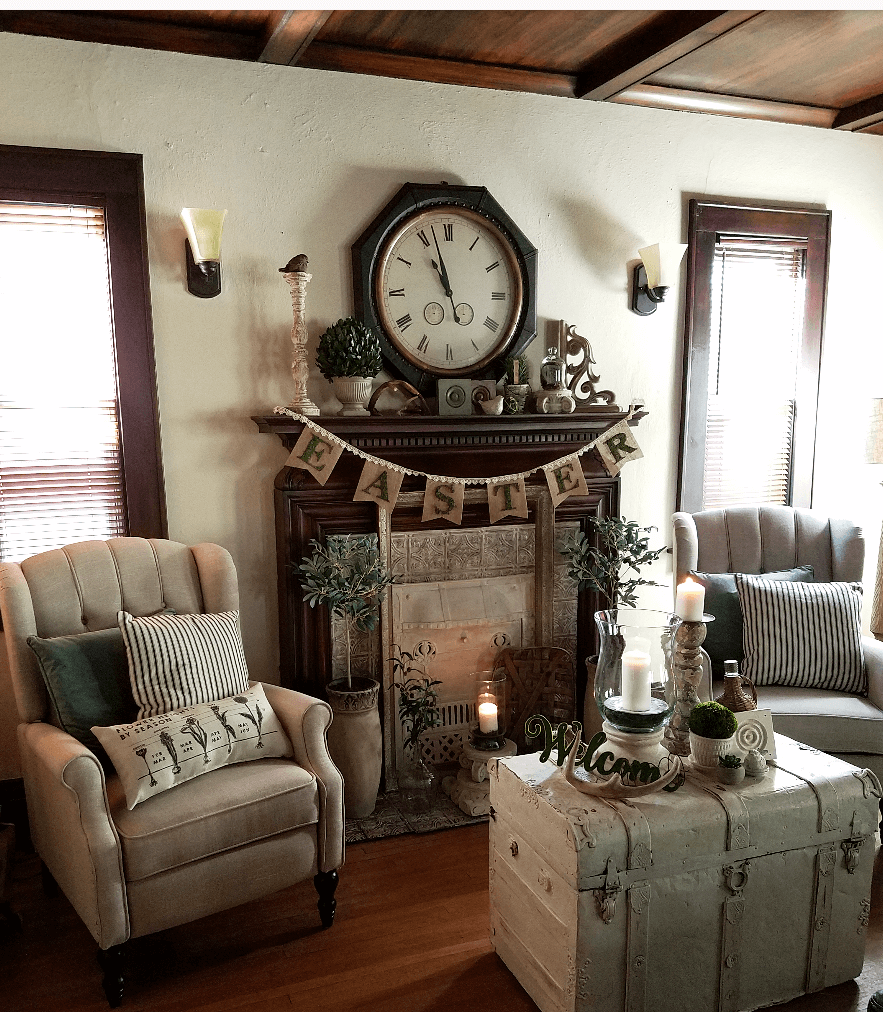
pixel 723 636
pixel 87 677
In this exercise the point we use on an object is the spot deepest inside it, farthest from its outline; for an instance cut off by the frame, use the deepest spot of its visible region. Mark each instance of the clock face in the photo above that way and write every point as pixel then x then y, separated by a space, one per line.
pixel 448 290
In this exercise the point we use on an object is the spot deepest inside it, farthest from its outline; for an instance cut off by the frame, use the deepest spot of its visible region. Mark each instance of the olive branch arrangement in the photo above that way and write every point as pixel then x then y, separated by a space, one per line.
pixel 418 699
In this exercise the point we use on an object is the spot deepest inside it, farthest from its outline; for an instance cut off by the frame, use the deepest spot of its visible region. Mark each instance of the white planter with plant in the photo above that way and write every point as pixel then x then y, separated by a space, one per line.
pixel 347 576
pixel 349 358
pixel 712 735
pixel 612 569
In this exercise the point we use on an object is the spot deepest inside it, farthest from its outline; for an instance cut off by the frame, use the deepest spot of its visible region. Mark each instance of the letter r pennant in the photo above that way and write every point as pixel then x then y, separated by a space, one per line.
pixel 617 446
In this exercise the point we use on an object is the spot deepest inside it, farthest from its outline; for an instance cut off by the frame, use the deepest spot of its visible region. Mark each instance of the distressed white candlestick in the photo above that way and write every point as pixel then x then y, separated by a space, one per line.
pixel 296 277
pixel 635 681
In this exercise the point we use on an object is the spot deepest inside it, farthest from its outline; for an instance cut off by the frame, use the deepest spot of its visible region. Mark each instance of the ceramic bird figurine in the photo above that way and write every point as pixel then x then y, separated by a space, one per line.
pixel 493 406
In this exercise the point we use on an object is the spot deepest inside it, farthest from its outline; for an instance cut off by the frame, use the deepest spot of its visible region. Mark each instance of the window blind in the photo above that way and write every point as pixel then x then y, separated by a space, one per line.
pixel 758 296
pixel 61 474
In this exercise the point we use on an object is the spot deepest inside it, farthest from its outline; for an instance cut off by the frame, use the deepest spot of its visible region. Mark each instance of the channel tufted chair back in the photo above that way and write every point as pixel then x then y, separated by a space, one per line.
pixel 227 837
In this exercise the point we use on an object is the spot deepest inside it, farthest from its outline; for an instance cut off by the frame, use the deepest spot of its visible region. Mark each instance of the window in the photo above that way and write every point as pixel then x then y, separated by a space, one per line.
pixel 79 455
pixel 756 295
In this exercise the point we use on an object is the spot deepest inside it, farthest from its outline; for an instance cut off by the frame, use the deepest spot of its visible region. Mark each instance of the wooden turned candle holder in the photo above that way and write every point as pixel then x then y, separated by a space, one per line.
pixel 687 668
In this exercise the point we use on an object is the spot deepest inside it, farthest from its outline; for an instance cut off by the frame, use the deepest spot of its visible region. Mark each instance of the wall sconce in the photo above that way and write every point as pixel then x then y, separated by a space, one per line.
pixel 656 273
pixel 203 250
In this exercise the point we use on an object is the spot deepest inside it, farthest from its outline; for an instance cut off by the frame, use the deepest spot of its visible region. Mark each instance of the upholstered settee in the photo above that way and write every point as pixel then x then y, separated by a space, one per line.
pixel 229 836
pixel 779 539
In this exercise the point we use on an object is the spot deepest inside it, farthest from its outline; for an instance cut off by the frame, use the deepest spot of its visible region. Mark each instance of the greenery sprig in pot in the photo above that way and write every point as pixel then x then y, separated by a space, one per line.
pixel 418 712
pixel 349 357
pixel 516 385
pixel 712 734
pixel 348 577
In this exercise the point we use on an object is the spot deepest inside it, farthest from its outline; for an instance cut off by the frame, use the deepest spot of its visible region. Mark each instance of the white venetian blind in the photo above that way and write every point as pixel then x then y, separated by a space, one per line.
pixel 757 324
pixel 60 467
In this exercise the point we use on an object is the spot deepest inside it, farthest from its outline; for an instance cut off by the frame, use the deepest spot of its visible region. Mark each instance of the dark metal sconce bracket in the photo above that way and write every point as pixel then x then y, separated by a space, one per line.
pixel 644 299
pixel 203 280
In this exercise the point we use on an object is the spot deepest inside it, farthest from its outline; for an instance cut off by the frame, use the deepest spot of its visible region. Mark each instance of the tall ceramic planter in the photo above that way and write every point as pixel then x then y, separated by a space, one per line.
pixel 353 392
pixel 355 742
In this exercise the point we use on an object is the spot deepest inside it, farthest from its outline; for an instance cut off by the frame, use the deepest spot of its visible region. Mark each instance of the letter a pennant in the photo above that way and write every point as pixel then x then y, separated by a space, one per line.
pixel 443 501
pixel 617 446
pixel 507 499
pixel 380 484
pixel 565 479
pixel 315 453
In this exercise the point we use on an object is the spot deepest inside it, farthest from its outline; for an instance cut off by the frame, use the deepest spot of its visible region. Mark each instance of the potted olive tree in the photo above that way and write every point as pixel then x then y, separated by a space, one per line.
pixel 347 576
pixel 349 358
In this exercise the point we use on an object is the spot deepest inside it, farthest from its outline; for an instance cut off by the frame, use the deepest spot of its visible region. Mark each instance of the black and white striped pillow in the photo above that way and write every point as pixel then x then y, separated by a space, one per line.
pixel 806 635
pixel 183 660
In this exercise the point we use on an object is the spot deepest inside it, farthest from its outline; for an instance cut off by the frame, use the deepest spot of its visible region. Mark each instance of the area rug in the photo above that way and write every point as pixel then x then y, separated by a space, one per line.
pixel 392 817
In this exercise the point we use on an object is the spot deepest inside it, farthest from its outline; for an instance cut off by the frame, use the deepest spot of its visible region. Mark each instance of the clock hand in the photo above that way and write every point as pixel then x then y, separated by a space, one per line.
pixel 443 275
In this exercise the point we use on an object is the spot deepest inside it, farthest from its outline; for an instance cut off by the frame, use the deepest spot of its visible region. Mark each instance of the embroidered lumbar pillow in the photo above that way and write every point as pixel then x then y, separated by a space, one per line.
pixel 806 635
pixel 154 754
pixel 182 660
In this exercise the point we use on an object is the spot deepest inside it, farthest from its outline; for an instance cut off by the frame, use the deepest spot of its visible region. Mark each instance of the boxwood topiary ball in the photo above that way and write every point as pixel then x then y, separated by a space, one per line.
pixel 712 720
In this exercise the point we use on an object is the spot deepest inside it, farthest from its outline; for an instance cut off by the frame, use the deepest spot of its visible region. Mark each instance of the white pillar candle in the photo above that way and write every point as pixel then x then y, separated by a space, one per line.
pixel 487 717
pixel 690 601
pixel 635 681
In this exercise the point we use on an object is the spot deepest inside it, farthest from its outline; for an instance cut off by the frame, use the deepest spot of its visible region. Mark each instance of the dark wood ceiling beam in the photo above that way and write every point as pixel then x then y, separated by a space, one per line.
pixel 672 36
pixel 863 114
pixel 287 35
pixel 125 32
pixel 330 56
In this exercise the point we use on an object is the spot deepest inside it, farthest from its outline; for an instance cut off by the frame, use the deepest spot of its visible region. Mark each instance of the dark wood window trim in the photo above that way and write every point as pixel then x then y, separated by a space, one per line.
pixel 706 222
pixel 115 181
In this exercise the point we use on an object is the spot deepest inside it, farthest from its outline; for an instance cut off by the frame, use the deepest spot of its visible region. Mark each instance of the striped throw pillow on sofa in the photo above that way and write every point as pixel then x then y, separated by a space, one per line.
pixel 806 635
pixel 183 660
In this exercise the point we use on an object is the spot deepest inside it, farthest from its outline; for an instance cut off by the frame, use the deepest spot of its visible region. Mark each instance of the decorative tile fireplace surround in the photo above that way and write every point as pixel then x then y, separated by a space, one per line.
pixel 508 576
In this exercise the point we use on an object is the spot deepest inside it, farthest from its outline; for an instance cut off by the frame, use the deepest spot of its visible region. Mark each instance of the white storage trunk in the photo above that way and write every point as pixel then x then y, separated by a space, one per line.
pixel 708 898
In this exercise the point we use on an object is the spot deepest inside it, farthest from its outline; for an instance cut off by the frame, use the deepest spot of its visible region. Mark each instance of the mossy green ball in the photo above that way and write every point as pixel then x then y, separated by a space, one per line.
pixel 712 720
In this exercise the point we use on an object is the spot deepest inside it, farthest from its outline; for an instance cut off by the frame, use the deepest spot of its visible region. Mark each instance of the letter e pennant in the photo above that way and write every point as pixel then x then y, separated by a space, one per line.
pixel 566 479
pixel 316 454
pixel 617 446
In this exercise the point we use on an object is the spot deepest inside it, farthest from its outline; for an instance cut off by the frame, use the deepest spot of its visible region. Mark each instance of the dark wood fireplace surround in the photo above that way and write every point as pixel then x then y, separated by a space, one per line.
pixel 470 447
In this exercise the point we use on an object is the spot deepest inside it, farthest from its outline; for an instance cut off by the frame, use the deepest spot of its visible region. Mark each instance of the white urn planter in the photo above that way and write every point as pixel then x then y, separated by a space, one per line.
pixel 706 752
pixel 353 392
pixel 355 741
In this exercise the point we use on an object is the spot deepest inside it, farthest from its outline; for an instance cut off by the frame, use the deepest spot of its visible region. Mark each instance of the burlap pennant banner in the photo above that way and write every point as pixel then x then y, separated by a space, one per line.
pixel 566 478
pixel 318 452
pixel 379 483
pixel 507 499
pixel 617 446
pixel 315 453
pixel 443 501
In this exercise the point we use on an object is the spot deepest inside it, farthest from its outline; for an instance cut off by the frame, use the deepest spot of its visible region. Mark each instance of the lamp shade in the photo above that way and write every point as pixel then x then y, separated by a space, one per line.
pixel 874 453
pixel 662 263
pixel 204 232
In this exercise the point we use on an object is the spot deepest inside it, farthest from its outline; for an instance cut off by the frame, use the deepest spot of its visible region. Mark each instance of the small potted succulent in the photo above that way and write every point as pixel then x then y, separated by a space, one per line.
pixel 730 769
pixel 349 358
pixel 712 733
pixel 516 385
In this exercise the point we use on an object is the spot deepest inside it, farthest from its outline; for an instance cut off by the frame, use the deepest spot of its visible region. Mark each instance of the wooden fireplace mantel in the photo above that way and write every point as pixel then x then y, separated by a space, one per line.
pixel 461 447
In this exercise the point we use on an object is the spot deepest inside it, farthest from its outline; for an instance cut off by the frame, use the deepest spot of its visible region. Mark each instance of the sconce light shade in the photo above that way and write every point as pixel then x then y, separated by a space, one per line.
pixel 203 250
pixel 656 273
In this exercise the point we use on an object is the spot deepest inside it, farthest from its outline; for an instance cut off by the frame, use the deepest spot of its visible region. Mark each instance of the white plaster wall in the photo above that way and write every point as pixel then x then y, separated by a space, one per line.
pixel 304 160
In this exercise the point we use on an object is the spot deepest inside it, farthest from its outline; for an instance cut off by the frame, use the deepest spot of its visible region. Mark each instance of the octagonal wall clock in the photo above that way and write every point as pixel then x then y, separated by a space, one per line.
pixel 448 280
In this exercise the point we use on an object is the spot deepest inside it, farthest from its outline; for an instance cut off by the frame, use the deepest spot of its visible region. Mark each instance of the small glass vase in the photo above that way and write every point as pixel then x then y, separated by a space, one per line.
pixel 634 689
pixel 417 782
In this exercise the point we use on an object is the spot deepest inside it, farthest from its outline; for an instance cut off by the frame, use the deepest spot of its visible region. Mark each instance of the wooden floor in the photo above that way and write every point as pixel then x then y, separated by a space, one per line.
pixel 411 935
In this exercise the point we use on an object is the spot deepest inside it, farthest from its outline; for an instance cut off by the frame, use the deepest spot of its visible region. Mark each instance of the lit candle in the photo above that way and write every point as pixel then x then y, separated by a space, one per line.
pixel 690 601
pixel 487 717
pixel 635 681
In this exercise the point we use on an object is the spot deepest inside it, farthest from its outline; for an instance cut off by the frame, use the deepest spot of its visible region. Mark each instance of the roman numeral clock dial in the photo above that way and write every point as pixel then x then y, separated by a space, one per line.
pixel 450 288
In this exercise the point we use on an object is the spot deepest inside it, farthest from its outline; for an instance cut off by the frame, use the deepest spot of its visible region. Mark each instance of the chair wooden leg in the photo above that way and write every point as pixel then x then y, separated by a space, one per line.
pixel 111 962
pixel 50 886
pixel 326 883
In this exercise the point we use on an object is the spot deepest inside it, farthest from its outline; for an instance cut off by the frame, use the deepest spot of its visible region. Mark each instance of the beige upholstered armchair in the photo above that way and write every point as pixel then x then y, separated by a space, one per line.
pixel 227 837
pixel 773 539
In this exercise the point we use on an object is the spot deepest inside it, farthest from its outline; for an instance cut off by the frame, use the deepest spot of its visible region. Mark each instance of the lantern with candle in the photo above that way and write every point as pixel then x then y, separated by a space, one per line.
pixel 633 682
pixel 491 710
